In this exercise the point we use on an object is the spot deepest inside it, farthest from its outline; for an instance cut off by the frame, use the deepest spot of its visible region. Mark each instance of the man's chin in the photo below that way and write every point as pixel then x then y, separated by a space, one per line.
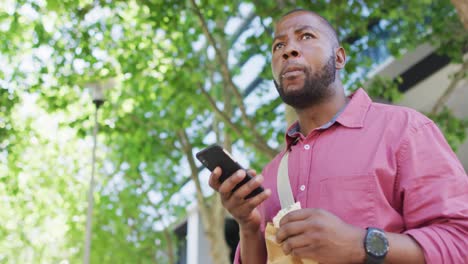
pixel 292 88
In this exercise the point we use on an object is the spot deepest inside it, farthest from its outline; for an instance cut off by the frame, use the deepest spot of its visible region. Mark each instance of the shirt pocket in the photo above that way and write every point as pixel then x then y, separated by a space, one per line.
pixel 351 198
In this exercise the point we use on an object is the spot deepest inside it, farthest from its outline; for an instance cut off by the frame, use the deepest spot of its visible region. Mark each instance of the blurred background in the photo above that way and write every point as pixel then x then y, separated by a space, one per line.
pixel 176 76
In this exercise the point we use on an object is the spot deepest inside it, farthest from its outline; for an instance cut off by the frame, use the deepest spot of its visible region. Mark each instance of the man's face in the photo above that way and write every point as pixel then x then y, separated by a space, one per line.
pixel 303 59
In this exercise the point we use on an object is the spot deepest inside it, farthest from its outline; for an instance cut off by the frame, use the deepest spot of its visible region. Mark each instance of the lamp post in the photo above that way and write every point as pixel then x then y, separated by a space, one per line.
pixel 97 92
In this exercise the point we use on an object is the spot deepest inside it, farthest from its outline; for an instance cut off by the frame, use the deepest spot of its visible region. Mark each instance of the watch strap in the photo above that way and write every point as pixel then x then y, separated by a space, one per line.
pixel 373 260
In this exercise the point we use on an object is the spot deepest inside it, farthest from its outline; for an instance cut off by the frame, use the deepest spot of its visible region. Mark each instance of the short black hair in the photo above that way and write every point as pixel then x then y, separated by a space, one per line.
pixel 334 33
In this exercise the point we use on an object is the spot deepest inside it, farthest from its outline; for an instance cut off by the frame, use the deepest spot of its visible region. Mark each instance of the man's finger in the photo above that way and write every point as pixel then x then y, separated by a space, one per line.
pixel 299 215
pixel 252 172
pixel 248 187
pixel 242 209
pixel 290 229
pixel 214 178
pixel 305 252
pixel 254 202
pixel 226 187
pixel 295 242
pixel 259 198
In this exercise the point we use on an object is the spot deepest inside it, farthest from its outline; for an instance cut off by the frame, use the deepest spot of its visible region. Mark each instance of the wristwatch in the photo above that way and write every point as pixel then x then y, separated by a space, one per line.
pixel 376 245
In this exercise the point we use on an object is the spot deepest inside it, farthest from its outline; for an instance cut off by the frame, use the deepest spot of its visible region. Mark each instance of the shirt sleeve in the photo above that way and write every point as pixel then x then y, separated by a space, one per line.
pixel 433 188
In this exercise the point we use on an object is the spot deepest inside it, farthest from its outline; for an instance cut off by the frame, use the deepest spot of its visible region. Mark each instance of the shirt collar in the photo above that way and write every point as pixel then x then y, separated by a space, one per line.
pixel 356 111
pixel 352 116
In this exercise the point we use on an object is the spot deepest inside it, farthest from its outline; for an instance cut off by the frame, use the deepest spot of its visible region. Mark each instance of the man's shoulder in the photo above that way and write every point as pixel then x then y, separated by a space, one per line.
pixel 398 115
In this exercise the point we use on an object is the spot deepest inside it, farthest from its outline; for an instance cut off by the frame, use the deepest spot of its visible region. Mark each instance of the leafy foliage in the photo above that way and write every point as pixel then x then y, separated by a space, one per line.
pixel 453 128
pixel 386 89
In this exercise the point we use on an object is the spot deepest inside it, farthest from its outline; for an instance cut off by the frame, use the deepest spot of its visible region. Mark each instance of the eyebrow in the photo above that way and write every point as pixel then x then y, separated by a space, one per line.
pixel 297 30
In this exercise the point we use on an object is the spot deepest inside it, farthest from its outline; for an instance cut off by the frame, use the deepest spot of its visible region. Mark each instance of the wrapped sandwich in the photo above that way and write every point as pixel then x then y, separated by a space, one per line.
pixel 275 252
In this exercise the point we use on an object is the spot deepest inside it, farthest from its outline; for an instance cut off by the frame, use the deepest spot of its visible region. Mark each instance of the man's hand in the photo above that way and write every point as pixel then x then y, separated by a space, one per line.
pixel 321 236
pixel 243 211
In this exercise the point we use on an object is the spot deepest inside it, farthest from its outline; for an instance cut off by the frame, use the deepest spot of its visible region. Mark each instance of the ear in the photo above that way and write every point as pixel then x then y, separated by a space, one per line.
pixel 340 58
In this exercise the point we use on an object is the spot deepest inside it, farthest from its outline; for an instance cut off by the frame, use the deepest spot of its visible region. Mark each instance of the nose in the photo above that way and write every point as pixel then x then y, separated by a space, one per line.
pixel 290 51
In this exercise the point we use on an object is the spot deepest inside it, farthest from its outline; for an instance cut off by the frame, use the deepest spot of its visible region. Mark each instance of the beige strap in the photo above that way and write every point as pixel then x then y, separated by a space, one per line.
pixel 283 185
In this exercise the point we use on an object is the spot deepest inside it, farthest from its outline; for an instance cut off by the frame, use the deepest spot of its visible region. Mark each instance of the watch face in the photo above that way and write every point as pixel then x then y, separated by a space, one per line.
pixel 376 243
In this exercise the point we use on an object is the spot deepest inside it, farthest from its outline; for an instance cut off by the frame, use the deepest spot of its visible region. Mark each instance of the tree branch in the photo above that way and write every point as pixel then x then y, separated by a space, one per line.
pixel 170 249
pixel 224 68
pixel 228 78
pixel 458 76
pixel 220 113
pixel 462 10
pixel 187 148
pixel 250 17
pixel 256 143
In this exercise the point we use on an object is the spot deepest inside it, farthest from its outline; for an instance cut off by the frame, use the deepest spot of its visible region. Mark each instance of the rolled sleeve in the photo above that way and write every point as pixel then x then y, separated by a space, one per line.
pixel 434 190
pixel 442 243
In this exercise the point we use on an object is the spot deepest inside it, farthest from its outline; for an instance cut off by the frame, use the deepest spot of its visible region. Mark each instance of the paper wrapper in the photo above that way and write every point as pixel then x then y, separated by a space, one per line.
pixel 274 250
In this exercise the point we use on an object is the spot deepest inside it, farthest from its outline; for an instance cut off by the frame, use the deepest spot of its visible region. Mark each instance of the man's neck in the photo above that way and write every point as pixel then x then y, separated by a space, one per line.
pixel 317 115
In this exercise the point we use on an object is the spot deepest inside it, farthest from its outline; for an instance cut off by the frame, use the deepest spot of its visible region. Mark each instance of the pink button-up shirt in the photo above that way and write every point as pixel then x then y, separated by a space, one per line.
pixel 381 166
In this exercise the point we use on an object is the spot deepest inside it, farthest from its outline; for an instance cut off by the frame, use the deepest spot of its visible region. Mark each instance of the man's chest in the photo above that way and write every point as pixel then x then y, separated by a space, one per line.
pixel 353 179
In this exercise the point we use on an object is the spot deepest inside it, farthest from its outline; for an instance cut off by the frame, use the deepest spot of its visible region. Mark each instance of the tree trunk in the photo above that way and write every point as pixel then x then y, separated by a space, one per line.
pixel 211 210
pixel 170 248
pixel 213 217
pixel 462 9
pixel 213 223
pixel 458 76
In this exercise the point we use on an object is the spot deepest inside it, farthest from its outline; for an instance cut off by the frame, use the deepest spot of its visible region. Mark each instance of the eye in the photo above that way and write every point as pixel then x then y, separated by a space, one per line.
pixel 307 36
pixel 278 46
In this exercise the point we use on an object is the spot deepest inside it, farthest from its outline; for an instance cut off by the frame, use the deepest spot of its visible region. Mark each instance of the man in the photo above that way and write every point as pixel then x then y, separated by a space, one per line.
pixel 360 170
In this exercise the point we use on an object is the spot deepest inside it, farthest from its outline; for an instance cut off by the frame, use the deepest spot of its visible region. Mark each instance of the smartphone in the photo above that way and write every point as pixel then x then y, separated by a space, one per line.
pixel 214 156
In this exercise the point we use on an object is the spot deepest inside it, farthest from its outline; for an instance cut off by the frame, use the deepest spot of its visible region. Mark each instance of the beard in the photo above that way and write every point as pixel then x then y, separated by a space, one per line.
pixel 315 90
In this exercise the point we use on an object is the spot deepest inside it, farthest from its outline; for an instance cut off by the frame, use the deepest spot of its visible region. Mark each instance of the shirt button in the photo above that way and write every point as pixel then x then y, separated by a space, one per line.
pixel 307 146
pixel 302 187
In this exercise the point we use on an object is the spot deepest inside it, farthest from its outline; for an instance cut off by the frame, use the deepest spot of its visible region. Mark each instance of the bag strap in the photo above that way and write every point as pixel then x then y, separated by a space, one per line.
pixel 283 184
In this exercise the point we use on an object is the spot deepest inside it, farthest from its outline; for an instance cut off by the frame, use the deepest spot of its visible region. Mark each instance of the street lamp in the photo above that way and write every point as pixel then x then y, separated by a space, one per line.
pixel 97 92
